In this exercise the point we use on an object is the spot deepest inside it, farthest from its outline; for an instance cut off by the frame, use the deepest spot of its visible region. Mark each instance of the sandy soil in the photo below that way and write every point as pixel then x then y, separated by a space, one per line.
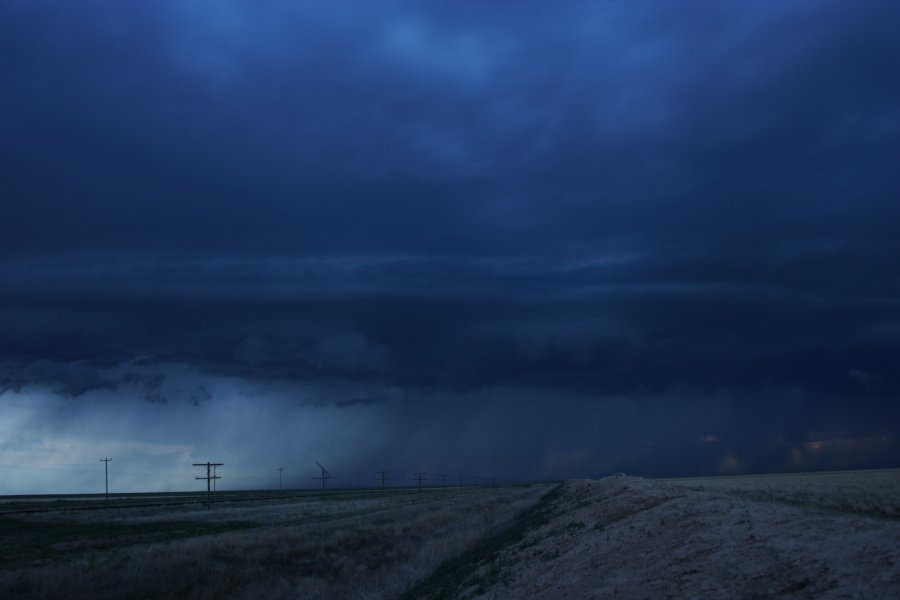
pixel 628 537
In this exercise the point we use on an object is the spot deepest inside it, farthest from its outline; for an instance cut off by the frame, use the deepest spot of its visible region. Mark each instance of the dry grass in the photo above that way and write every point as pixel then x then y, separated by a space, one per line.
pixel 370 547
pixel 632 538
pixel 873 493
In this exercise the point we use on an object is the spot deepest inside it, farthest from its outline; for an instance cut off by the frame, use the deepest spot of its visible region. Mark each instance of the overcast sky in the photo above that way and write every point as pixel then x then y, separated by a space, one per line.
pixel 522 240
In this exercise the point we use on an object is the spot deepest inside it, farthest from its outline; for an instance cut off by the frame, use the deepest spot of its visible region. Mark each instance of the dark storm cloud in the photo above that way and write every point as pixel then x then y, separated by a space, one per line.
pixel 215 126
pixel 69 379
pixel 651 202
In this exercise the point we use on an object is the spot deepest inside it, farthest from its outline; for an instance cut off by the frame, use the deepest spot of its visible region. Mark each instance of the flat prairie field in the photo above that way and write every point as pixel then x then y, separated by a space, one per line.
pixel 871 492
pixel 806 535
pixel 336 545
pixel 634 538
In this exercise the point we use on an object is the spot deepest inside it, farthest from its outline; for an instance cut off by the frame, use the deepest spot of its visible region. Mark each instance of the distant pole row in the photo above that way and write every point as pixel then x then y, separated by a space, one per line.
pixel 418 477
pixel 382 476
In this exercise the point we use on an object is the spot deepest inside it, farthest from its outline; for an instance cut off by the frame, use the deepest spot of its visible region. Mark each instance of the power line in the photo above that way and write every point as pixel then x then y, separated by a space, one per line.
pixel 420 477
pixel 324 476
pixel 209 477
pixel 105 462
pixel 383 476
pixel 30 467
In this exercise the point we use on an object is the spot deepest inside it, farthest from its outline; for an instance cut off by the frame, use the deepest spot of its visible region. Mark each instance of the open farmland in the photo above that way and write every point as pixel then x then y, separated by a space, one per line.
pixel 339 545
pixel 627 537
pixel 874 492
pixel 805 535
pixel 73 502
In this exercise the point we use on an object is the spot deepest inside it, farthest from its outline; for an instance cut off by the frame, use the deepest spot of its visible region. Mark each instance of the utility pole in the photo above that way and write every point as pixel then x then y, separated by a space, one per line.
pixel 324 476
pixel 105 462
pixel 443 477
pixel 209 477
pixel 383 474
pixel 461 479
pixel 419 477
pixel 280 469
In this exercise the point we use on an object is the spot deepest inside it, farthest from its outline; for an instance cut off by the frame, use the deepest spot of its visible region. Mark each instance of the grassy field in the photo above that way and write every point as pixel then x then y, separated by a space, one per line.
pixel 46 503
pixel 627 537
pixel 874 493
pixel 339 545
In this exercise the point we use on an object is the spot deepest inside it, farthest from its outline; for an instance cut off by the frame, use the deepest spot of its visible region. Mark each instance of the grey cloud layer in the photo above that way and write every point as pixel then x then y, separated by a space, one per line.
pixel 578 198
pixel 338 132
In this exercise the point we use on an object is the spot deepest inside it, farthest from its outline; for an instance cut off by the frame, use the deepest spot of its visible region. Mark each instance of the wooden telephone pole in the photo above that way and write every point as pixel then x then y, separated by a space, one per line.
pixel 210 477
pixel 105 462
pixel 324 476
